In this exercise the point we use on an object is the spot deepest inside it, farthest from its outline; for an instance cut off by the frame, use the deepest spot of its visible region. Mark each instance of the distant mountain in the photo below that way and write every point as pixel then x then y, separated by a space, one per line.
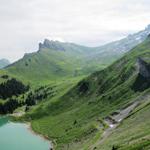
pixel 56 59
pixel 116 49
pixel 4 63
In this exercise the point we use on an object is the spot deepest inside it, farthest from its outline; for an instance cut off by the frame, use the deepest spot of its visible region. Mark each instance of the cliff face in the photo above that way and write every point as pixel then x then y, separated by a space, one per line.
pixel 55 45
pixel 142 81
pixel 144 68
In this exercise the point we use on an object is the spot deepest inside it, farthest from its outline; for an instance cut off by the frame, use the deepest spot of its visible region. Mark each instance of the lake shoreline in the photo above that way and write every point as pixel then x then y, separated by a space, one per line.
pixel 40 135
pixel 28 126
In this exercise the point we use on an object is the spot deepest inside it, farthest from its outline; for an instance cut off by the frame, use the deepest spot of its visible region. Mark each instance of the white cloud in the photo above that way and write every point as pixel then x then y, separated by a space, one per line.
pixel 24 23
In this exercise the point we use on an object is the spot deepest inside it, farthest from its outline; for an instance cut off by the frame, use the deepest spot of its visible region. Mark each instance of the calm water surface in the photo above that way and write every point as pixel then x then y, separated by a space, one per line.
pixel 16 136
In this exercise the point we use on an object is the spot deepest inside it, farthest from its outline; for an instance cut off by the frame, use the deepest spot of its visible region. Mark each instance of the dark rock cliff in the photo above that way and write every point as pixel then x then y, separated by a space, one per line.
pixel 144 68
pixel 142 81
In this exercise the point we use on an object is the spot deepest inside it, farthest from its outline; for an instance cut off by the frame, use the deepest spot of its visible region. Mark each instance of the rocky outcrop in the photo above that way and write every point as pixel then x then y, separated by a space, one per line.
pixel 144 68
pixel 142 81
pixel 54 45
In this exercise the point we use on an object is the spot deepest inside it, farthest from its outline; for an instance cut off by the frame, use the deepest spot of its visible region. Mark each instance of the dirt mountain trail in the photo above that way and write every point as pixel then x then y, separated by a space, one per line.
pixel 114 120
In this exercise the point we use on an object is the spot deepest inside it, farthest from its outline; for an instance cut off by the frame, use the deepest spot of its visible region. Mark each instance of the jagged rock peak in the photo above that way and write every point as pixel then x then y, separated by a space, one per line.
pixel 144 68
pixel 50 44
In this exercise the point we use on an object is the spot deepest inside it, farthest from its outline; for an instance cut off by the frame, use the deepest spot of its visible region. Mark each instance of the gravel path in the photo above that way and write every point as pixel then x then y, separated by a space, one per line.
pixel 114 120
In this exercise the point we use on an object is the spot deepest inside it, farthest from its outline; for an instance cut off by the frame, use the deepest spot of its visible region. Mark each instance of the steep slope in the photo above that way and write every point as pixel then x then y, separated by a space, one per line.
pixel 133 133
pixel 56 60
pixel 4 63
pixel 76 120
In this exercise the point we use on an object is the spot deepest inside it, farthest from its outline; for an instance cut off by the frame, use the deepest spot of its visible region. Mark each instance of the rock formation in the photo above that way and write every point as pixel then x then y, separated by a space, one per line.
pixel 144 68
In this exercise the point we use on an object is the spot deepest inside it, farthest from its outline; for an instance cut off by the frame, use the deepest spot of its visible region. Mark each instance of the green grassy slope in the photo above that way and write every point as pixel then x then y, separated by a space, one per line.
pixel 55 60
pixel 73 120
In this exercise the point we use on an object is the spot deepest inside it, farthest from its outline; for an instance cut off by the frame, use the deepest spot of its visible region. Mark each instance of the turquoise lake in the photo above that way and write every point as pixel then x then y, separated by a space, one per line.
pixel 17 136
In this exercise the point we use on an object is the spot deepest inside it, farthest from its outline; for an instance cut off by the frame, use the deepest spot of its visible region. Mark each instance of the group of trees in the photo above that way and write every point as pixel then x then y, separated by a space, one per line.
pixel 9 90
pixel 36 96
pixel 4 76
pixel 39 94
pixel 83 87
pixel 12 87
pixel 9 106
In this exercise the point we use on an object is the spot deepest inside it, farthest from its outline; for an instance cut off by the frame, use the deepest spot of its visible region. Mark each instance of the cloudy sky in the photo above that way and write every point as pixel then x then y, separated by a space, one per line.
pixel 25 23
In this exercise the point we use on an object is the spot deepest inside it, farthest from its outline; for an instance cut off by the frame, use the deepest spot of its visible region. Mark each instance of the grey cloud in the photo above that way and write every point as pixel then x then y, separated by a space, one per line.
pixel 24 23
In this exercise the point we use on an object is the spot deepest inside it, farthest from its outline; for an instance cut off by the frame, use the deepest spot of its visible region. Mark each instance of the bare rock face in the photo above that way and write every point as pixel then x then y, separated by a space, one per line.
pixel 55 45
pixel 41 46
pixel 142 81
pixel 144 68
